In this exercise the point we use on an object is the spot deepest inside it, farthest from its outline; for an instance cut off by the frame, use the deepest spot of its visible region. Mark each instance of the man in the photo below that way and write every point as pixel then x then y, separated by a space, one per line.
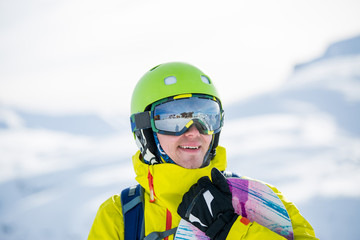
pixel 176 119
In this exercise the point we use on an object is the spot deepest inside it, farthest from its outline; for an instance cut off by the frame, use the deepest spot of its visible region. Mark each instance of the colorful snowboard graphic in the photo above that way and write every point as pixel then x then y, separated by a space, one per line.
pixel 253 200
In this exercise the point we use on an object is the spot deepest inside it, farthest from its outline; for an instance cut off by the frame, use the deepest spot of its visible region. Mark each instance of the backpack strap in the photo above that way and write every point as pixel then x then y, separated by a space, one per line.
pixel 132 202
pixel 160 235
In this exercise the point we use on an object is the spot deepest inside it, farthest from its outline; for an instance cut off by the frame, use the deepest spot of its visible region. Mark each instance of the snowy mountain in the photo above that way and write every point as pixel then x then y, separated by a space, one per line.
pixel 78 124
pixel 54 173
pixel 347 47
pixel 303 138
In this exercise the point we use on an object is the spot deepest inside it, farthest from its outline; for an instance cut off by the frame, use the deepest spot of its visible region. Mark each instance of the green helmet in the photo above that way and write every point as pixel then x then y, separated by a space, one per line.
pixel 170 79
pixel 163 81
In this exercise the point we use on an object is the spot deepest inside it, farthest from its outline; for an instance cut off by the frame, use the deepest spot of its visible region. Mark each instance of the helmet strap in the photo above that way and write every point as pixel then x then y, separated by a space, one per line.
pixel 145 142
pixel 212 150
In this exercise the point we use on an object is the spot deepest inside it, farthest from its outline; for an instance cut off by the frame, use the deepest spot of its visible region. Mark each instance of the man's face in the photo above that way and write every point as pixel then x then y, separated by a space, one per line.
pixel 187 150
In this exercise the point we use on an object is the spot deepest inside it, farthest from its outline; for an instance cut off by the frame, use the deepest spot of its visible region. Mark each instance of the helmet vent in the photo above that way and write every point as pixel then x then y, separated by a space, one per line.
pixel 205 79
pixel 170 80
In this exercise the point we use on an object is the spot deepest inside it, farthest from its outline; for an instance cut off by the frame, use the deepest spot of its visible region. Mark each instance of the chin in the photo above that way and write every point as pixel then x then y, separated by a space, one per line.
pixel 192 165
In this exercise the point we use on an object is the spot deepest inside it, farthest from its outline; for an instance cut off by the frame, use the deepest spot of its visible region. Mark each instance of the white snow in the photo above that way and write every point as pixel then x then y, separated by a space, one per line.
pixel 52 182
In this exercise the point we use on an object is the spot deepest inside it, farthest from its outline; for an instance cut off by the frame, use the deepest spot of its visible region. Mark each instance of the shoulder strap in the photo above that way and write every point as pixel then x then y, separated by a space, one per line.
pixel 132 202
pixel 160 235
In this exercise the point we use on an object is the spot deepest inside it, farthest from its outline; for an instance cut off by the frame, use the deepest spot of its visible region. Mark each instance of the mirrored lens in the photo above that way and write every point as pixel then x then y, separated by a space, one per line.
pixel 173 116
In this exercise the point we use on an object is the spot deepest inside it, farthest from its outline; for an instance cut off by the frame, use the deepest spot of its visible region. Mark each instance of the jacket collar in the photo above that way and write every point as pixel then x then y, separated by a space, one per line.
pixel 169 181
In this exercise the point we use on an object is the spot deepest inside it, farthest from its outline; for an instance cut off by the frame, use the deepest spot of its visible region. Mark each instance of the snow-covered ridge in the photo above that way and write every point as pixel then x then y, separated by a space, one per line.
pixel 347 47
pixel 305 138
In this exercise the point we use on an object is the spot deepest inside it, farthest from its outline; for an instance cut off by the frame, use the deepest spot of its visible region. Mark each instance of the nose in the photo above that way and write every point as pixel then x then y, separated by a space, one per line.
pixel 192 131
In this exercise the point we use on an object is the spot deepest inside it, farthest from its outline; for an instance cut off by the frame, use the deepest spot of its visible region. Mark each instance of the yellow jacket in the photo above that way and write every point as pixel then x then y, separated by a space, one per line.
pixel 168 185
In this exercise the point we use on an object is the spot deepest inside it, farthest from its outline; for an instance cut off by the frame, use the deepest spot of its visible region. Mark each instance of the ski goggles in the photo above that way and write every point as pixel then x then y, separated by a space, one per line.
pixel 175 115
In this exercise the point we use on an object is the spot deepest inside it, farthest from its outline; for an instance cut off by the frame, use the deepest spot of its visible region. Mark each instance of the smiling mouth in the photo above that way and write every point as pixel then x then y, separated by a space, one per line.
pixel 189 147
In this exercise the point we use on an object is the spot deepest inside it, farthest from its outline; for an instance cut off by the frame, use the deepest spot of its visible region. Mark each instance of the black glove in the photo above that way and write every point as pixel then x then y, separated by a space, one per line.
pixel 208 206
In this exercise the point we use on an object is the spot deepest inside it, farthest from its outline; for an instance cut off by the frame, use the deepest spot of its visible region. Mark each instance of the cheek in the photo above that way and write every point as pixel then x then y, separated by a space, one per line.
pixel 167 142
pixel 166 146
pixel 207 139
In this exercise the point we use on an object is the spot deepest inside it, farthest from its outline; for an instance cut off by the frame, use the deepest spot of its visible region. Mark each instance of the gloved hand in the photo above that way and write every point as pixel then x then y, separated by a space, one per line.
pixel 208 206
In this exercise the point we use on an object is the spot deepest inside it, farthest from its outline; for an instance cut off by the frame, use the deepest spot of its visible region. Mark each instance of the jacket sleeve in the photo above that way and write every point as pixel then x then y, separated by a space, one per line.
pixel 108 223
pixel 301 227
pixel 248 231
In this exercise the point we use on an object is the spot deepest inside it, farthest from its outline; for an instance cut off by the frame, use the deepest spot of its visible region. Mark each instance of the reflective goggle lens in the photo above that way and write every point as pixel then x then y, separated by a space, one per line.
pixel 175 116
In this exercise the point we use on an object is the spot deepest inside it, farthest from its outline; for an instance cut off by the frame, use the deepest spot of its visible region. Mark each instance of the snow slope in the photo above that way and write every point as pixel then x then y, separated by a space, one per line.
pixel 303 138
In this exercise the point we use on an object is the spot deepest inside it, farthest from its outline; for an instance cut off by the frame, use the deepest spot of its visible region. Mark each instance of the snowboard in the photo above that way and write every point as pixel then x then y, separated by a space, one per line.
pixel 255 201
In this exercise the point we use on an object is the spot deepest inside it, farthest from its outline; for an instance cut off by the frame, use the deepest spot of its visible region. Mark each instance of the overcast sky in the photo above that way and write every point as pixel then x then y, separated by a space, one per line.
pixel 86 56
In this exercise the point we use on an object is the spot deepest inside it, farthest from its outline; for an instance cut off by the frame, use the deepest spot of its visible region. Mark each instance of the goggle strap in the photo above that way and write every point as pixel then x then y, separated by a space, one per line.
pixel 141 120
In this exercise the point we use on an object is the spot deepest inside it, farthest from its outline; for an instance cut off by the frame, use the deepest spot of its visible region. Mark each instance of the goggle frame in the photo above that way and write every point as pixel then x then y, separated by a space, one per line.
pixel 144 120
